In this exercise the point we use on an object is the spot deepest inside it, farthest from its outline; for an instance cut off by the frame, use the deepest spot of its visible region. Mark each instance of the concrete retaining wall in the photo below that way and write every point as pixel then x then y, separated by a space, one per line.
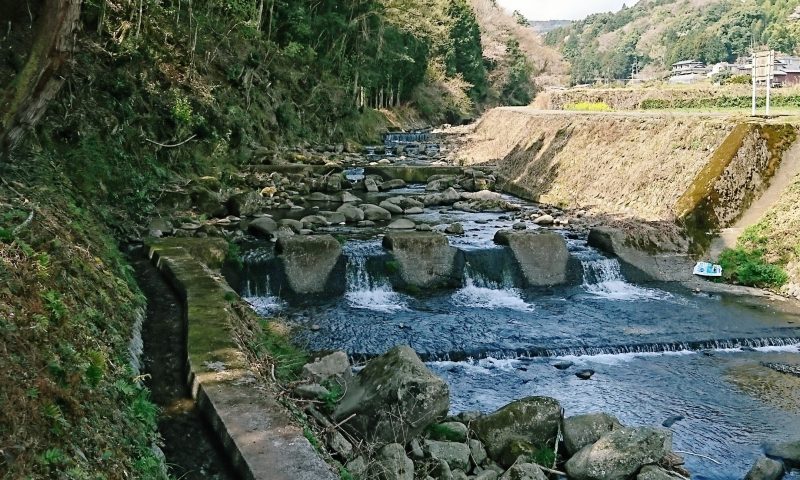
pixel 256 431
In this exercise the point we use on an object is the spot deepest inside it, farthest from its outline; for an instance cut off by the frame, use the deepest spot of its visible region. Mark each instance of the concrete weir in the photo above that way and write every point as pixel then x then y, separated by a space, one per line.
pixel 257 432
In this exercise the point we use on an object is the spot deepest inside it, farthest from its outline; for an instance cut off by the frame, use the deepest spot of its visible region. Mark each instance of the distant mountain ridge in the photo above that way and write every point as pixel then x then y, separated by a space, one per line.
pixel 651 35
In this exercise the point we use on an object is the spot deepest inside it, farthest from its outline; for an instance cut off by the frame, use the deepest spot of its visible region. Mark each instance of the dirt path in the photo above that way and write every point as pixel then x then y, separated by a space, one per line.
pixel 787 171
pixel 192 450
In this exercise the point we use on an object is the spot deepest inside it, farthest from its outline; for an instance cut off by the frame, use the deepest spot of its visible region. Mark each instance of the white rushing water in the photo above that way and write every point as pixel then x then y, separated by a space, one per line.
pixel 367 292
pixel 262 302
pixel 603 278
pixel 480 293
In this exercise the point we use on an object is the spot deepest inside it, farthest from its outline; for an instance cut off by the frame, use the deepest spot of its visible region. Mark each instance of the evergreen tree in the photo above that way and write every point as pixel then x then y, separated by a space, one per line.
pixel 465 55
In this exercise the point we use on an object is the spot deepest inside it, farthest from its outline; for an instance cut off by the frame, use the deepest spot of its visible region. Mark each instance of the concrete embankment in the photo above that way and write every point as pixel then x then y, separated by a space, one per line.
pixel 646 173
pixel 255 430
pixel 655 167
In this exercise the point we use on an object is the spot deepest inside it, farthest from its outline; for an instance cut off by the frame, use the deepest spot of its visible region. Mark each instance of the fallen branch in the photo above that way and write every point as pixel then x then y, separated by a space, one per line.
pixel 553 471
pixel 344 421
pixel 699 455
pixel 173 145
pixel 24 224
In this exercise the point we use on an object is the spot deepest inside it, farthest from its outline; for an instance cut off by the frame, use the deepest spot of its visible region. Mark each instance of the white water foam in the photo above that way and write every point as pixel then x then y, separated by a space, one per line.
pixel 603 278
pixel 489 295
pixel 265 306
pixel 379 299
pixel 263 303
pixel 369 293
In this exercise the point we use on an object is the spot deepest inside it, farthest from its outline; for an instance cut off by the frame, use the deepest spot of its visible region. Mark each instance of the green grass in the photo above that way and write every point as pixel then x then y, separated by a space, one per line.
pixel 545 457
pixel 289 358
pixel 441 432
pixel 748 267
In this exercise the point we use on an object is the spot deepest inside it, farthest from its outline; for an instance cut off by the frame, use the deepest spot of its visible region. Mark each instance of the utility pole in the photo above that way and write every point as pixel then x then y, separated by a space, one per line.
pixel 753 80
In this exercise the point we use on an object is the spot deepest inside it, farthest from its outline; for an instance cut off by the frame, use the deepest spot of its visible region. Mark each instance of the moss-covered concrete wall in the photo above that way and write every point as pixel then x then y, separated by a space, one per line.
pixel 736 174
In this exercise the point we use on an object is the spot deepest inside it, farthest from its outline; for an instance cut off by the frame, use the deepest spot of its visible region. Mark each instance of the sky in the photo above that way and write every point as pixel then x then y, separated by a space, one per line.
pixel 562 9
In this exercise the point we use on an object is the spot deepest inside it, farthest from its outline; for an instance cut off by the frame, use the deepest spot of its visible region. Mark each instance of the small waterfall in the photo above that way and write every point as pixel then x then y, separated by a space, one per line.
pixel 767 344
pixel 603 278
pixel 261 300
pixel 364 290
pixel 479 292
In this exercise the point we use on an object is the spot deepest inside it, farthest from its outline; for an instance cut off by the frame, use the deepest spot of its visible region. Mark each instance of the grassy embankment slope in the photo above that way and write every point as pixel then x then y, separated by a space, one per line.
pixel 221 81
pixel 658 170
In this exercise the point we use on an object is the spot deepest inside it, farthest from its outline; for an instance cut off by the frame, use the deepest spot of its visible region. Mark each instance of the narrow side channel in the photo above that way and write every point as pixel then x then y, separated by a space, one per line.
pixel 192 450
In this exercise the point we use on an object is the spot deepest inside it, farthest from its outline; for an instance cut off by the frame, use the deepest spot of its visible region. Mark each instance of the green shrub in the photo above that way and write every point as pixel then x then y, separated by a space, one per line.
pixel 748 267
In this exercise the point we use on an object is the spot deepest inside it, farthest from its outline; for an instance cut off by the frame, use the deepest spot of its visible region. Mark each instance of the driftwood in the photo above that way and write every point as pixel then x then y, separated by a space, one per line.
pixel 173 145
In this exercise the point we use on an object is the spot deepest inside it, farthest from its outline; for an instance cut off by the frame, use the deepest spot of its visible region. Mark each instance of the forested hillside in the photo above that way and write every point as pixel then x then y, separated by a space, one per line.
pixel 653 34
pixel 156 92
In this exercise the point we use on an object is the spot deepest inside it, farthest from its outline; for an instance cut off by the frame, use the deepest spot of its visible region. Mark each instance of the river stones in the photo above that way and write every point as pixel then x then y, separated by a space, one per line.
pixel 533 419
pixel 335 365
pixel 582 430
pixel 308 261
pixel 585 374
pixel 394 398
pixel 392 184
pixel 672 421
pixel 393 464
pixel 334 217
pixel 371 185
pixel 653 472
pixel 524 471
pixel 563 365
pixel 264 226
pixel 426 259
pixel 246 204
pixel 402 224
pixel 454 229
pixel 765 469
pixel 542 257
pixel 620 454
pixel 352 214
pixel 544 220
pixel 455 454
pixel 789 452
pixel 375 213
pixel 391 207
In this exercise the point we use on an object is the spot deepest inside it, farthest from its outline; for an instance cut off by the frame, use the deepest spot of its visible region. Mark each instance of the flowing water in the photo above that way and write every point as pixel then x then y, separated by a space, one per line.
pixel 659 350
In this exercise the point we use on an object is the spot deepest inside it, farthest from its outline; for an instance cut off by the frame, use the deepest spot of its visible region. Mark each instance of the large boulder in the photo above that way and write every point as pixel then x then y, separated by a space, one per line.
pixel 542 257
pixel 394 398
pixel 246 204
pixel 308 261
pixel 455 454
pixel 659 262
pixel 619 454
pixel 352 214
pixel 265 226
pixel 533 419
pixel 789 452
pixel 393 464
pixel 375 213
pixel 582 430
pixel 524 471
pixel 765 469
pixel 207 202
pixel 426 258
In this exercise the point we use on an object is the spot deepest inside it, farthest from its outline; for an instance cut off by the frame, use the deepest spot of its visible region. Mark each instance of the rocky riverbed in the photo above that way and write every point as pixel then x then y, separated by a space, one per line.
pixel 389 421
